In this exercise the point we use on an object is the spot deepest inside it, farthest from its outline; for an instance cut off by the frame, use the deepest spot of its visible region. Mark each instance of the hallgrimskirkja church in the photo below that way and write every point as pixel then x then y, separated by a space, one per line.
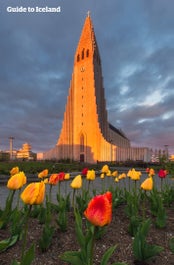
pixel 86 134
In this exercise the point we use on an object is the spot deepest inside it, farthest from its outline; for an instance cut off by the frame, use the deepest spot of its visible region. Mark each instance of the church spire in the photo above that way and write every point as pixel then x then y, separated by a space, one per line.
pixel 87 38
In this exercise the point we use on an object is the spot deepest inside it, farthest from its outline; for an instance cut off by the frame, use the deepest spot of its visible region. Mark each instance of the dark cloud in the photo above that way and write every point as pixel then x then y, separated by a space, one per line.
pixel 135 40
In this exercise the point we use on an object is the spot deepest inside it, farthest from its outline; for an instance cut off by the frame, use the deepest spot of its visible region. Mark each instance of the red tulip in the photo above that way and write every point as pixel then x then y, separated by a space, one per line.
pixel 162 173
pixel 99 210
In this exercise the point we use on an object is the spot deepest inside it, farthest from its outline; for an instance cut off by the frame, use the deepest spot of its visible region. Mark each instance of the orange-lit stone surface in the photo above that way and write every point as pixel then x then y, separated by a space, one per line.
pixel 86 134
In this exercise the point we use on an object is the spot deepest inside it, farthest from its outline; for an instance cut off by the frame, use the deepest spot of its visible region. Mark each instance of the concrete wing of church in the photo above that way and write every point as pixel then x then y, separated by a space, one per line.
pixel 86 134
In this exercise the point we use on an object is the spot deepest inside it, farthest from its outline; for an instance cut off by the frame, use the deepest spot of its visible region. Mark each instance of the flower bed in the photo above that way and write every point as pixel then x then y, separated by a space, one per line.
pixel 121 225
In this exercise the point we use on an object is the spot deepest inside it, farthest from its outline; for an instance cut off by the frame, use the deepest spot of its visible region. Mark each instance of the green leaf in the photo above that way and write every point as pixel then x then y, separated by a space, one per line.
pixel 107 255
pixel 141 249
pixel 78 228
pixel 72 257
pixel 151 251
pixel 6 243
pixel 28 257
pixel 14 262
pixel 46 237
pixel 171 244
pixel 161 217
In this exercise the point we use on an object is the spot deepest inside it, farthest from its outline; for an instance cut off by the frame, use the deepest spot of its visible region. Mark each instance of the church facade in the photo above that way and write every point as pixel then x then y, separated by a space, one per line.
pixel 86 134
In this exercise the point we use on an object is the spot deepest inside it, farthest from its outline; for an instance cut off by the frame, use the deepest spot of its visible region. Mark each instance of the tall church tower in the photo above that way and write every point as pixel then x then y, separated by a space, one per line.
pixel 86 134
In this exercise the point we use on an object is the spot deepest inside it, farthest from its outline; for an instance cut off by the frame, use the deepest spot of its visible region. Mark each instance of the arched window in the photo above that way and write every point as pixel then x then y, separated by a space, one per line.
pixel 81 143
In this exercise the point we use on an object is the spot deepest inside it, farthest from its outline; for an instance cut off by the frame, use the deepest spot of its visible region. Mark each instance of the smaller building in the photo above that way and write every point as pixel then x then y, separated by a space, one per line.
pixel 25 153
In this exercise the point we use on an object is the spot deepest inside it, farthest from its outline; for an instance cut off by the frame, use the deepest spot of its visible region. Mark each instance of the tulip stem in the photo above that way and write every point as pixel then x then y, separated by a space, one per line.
pixel 73 199
pixel 17 206
pixel 144 206
pixel 25 232
pixel 161 184
pixel 93 228
pixel 50 198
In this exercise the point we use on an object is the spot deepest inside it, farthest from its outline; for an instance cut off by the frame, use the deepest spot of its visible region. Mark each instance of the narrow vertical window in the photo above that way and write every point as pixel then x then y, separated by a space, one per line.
pixel 87 53
pixel 81 143
pixel 82 54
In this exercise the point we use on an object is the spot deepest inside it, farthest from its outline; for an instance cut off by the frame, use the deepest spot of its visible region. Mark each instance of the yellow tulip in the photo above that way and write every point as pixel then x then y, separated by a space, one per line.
pixel 147 184
pixel 102 176
pixel 122 176
pixel 67 176
pixel 105 169
pixel 17 181
pixel 108 174
pixel 14 171
pixel 34 193
pixel 115 173
pixel 90 175
pixel 133 174
pixel 77 182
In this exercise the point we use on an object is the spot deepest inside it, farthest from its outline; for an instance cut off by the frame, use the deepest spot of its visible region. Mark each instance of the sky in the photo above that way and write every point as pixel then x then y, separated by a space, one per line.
pixel 136 45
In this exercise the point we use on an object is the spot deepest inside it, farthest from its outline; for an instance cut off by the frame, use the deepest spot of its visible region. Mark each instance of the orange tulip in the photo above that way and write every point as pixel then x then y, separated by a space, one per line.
pixel 14 171
pixel 147 184
pixel 99 210
pixel 17 181
pixel 53 180
pixel 34 193
pixel 151 172
pixel 43 174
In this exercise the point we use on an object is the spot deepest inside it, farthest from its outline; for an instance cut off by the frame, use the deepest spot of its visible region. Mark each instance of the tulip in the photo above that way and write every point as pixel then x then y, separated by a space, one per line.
pixel 84 171
pixel 34 193
pixel 134 175
pixel 162 173
pixel 151 172
pixel 61 176
pixel 77 182
pixel 17 181
pixel 90 175
pixel 109 174
pixel 54 178
pixel 43 174
pixel 105 169
pixel 147 184
pixel 122 176
pixel 67 176
pixel 102 176
pixel 14 171
pixel 116 179
pixel 115 173
pixel 99 210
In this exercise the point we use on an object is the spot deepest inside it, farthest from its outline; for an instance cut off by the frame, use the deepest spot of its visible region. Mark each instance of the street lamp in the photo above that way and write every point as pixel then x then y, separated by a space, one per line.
pixel 11 138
